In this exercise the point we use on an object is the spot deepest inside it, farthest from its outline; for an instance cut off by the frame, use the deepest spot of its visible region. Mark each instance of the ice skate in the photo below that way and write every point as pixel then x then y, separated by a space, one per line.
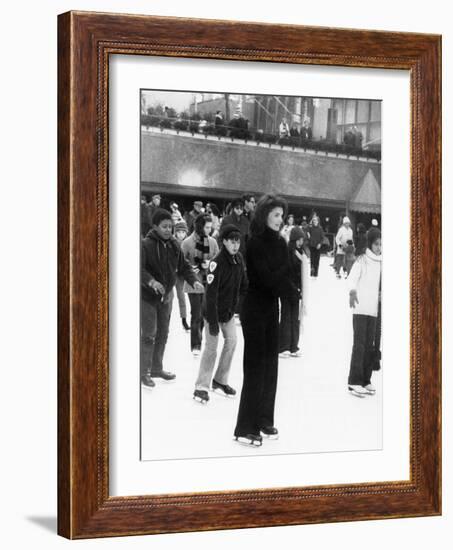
pixel 358 391
pixel 201 396
pixel 370 389
pixel 296 354
pixel 196 352
pixel 269 432
pixel 165 375
pixel 223 389
pixel 147 381
pixel 284 355
pixel 185 326
pixel 250 440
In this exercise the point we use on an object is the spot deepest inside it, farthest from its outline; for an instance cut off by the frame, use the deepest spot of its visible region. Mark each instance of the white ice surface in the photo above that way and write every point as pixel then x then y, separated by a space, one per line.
pixel 314 411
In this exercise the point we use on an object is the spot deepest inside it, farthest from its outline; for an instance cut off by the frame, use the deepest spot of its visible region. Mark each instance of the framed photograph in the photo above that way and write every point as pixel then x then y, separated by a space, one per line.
pixel 237 347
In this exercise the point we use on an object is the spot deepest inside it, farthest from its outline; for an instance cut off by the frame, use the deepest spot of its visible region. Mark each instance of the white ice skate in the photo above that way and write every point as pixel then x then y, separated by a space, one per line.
pixel 358 391
pixel 269 432
pixel 370 389
pixel 250 440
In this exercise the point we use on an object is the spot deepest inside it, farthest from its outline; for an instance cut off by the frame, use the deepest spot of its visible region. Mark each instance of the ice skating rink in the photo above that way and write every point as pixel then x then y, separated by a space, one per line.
pixel 314 411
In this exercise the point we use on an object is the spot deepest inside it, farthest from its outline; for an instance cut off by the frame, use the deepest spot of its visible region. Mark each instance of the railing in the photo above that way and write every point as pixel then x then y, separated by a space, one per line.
pixel 253 134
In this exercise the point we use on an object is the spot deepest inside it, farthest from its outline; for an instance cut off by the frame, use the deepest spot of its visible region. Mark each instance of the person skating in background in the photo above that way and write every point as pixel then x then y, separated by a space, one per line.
pixel 214 212
pixel 176 215
pixel 198 249
pixel 349 257
pixel 225 282
pixel 343 236
pixel 286 229
pixel 249 206
pixel 180 229
pixel 364 284
pixel 316 238
pixel 306 231
pixel 289 331
pixel 361 240
pixel 145 223
pixel 267 265
pixel 161 261
pixel 189 217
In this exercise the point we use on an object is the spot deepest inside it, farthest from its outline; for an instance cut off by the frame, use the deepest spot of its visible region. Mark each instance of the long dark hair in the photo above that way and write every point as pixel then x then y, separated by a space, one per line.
pixel 265 205
pixel 200 222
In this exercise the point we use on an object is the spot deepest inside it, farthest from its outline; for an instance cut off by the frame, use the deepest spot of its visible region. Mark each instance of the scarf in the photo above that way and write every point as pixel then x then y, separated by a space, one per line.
pixel 201 255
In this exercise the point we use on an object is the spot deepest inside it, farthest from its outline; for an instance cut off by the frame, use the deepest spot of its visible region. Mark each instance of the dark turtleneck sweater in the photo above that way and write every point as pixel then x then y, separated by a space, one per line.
pixel 267 262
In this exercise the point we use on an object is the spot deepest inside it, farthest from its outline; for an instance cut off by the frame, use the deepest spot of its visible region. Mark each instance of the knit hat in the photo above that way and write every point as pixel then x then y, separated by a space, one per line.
pixel 346 220
pixel 198 203
pixel 229 231
pixel 296 233
pixel 374 222
pixel 181 226
pixel 160 215
pixel 372 235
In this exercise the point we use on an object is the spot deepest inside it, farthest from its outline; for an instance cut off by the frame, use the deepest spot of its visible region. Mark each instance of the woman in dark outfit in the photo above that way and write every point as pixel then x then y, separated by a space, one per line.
pixel 268 274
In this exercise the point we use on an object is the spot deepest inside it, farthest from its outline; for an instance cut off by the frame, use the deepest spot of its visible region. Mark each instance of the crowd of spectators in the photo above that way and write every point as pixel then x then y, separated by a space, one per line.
pixel 238 128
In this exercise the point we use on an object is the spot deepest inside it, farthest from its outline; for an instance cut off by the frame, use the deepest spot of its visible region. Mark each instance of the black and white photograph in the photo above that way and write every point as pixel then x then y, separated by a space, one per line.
pixel 260 274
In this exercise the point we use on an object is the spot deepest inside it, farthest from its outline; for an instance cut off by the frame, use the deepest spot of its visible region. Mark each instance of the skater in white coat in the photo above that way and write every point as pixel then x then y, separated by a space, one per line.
pixel 364 282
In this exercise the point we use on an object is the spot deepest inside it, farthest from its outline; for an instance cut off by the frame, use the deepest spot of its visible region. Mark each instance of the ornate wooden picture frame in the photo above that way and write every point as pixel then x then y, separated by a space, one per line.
pixel 85 507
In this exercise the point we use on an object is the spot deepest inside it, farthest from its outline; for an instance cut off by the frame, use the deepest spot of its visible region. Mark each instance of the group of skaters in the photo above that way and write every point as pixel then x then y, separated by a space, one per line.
pixel 249 264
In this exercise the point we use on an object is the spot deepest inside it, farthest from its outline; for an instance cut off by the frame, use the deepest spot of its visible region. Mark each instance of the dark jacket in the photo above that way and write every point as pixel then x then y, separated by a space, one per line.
pixel 316 235
pixel 189 218
pixel 161 261
pixel 295 270
pixel 226 282
pixel 268 267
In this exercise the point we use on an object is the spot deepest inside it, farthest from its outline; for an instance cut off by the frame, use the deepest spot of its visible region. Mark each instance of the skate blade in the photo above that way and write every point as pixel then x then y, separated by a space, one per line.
pixel 147 388
pixel 356 394
pixel 159 380
pixel 247 442
pixel 220 392
pixel 199 400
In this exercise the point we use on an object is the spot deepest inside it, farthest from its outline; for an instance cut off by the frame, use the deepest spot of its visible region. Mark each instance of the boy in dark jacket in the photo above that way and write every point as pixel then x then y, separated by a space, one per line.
pixel 161 260
pixel 225 283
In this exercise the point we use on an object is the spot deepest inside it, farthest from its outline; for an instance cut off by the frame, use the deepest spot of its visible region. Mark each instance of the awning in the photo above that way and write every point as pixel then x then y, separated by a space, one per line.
pixel 367 197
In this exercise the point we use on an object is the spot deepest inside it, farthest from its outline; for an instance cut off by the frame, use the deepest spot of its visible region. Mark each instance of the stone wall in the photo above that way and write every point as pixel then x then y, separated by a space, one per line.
pixel 213 164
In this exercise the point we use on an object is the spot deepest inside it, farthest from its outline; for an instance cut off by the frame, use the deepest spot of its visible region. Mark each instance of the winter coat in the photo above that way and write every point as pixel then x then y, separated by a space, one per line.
pixel 316 235
pixel 189 252
pixel 226 282
pixel 343 236
pixel 268 268
pixel 364 278
pixel 161 261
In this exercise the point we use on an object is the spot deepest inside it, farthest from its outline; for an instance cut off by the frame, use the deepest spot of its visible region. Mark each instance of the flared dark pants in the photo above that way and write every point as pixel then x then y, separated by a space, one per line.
pixel 259 320
pixel 361 367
